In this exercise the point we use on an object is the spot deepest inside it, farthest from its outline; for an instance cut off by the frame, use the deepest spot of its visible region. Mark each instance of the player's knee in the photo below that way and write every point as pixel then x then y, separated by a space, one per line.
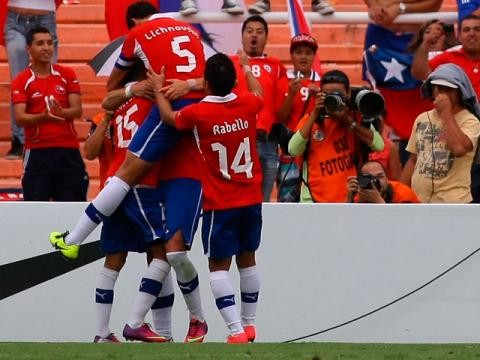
pixel 115 261
pixel 180 262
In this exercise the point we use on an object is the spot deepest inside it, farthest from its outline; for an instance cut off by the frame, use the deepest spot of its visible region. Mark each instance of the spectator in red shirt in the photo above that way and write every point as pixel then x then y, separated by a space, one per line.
pixel 46 100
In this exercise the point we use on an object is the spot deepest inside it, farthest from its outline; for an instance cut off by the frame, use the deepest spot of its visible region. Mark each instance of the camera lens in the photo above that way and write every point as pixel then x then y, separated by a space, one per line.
pixel 333 102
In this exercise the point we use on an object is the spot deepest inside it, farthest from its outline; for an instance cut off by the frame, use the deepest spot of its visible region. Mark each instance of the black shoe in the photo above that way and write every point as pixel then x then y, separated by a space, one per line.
pixel 16 151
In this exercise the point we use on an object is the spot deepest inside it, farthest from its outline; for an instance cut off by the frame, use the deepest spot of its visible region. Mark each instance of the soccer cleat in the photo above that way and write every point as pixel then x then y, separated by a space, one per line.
pixel 259 7
pixel 251 332
pixel 232 7
pixel 111 338
pixel 188 7
pixel 57 240
pixel 144 333
pixel 240 338
pixel 323 7
pixel 196 331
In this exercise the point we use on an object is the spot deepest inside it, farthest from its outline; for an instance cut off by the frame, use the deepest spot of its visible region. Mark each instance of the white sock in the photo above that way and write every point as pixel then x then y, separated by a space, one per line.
pixel 106 202
pixel 162 308
pixel 104 300
pixel 187 279
pixel 150 287
pixel 249 288
pixel 223 293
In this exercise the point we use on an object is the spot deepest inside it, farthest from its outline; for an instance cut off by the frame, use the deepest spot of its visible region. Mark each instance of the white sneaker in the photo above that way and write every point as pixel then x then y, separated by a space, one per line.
pixel 188 7
pixel 232 7
pixel 323 7
pixel 259 7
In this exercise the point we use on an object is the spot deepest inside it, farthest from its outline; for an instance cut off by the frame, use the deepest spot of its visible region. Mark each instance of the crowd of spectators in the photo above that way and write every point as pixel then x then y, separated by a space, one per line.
pixel 325 148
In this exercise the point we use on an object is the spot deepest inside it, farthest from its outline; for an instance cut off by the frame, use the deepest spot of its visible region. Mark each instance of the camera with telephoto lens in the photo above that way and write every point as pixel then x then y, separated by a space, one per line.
pixel 370 104
pixel 367 181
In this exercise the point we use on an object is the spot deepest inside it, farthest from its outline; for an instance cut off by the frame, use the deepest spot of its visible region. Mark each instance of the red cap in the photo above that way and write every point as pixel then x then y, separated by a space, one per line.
pixel 303 39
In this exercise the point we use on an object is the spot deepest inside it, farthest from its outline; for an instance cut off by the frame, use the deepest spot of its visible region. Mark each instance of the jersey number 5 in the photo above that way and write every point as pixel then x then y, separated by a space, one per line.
pixel 183 53
pixel 243 151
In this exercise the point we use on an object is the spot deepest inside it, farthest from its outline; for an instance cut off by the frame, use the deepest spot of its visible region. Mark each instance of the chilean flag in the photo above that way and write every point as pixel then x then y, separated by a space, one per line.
pixel 300 25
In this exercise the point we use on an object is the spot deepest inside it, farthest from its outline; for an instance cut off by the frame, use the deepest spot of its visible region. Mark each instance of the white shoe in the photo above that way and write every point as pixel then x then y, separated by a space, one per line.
pixel 188 7
pixel 323 7
pixel 259 7
pixel 232 7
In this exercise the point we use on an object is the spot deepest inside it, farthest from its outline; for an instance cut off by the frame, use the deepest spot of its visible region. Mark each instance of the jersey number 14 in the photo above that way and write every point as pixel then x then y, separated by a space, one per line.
pixel 237 166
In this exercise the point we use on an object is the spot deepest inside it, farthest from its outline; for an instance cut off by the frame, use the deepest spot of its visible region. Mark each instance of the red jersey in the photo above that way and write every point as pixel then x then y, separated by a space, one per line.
pixel 303 102
pixel 267 70
pixel 27 88
pixel 126 121
pixel 164 41
pixel 458 57
pixel 226 130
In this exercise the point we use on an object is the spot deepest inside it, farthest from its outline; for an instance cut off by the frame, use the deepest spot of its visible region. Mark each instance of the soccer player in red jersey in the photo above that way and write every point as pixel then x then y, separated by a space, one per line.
pixel 46 99
pixel 268 70
pixel 225 127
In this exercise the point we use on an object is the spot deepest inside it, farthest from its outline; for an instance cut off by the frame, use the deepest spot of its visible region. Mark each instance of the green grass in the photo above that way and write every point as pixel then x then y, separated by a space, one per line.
pixel 307 351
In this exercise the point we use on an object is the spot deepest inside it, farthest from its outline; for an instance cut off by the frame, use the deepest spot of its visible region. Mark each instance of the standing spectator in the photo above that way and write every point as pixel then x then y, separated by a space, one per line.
pixel 443 33
pixel 467 57
pixel 323 7
pixel 22 16
pixel 189 7
pixel 373 186
pixel 232 218
pixel 330 143
pixel 268 70
pixel 444 139
pixel 386 46
pixel 46 100
pixel 297 98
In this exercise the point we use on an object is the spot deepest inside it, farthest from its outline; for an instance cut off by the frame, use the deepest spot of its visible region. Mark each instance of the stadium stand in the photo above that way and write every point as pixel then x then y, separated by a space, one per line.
pixel 82 33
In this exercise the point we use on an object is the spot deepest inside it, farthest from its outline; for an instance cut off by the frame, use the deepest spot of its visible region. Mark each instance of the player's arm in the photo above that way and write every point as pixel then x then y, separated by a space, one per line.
pixel 176 88
pixel 74 109
pixel 116 79
pixel 94 143
pixel 117 97
pixel 252 82
pixel 26 119
pixel 158 80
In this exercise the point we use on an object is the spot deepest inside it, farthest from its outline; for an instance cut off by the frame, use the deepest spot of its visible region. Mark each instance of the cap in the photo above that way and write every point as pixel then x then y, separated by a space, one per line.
pixel 303 39
pixel 443 82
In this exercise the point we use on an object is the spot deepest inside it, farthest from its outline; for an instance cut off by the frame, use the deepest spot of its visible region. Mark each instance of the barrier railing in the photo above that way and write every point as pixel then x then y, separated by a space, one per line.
pixel 314 18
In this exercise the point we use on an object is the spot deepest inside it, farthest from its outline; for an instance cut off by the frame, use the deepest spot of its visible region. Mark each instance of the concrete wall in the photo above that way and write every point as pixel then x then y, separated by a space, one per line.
pixel 321 265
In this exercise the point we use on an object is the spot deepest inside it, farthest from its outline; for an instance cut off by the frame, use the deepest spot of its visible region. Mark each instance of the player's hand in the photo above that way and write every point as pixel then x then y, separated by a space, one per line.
pixel 370 196
pixel 157 80
pixel 352 184
pixel 144 89
pixel 54 107
pixel 377 14
pixel 431 39
pixel 175 88
pixel 49 117
pixel 242 57
pixel 294 86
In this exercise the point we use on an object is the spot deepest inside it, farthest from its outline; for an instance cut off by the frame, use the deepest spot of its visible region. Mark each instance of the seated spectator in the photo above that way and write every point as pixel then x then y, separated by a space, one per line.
pixel 372 186
pixel 323 7
pixel 444 139
pixel 330 139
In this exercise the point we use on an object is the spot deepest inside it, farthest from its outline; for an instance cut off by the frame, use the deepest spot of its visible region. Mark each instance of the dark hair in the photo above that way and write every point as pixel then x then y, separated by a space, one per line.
pixel 450 39
pixel 469 17
pixel 255 18
pixel 220 74
pixel 139 10
pixel 335 76
pixel 36 30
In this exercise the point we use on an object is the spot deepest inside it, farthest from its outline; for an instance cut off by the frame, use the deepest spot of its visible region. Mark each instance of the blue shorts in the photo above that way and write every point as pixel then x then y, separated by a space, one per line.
pixel 181 202
pixel 154 138
pixel 120 235
pixel 136 224
pixel 230 232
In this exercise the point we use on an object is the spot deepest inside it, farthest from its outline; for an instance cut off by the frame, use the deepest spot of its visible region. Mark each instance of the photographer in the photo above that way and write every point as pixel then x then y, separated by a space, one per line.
pixel 372 186
pixel 330 139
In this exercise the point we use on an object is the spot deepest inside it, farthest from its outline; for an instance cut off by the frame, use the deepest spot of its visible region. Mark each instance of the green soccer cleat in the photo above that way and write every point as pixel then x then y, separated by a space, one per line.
pixel 57 240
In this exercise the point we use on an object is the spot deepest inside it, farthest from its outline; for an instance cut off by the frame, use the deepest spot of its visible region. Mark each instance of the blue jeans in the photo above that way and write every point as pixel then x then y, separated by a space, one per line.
pixel 16 28
pixel 268 154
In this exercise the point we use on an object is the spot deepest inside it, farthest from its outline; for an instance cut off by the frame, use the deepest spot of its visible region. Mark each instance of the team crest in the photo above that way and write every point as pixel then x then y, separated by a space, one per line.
pixel 60 89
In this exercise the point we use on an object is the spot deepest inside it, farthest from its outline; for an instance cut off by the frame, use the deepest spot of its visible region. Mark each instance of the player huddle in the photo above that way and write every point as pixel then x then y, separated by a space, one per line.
pixel 160 180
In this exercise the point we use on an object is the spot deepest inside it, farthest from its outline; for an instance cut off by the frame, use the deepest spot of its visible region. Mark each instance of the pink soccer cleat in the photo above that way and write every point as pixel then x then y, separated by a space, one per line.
pixel 196 331
pixel 111 338
pixel 143 333
pixel 251 332
pixel 237 338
